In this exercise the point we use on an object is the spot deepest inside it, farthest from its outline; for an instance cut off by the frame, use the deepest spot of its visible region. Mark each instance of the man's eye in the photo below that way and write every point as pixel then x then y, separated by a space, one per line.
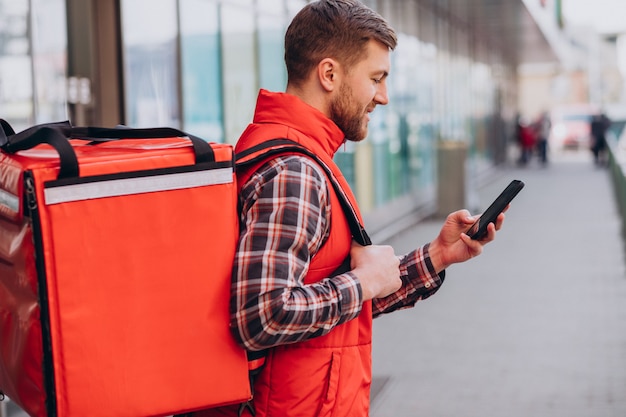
pixel 377 80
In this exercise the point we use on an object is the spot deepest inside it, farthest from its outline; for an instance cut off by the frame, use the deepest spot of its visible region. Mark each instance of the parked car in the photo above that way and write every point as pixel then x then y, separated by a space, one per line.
pixel 571 126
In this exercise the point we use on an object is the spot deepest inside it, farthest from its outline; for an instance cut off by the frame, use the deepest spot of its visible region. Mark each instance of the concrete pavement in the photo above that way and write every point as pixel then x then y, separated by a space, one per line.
pixel 535 326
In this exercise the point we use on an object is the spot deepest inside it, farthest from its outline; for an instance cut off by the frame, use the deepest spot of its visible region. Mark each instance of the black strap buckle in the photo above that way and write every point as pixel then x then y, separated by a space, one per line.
pixel 242 407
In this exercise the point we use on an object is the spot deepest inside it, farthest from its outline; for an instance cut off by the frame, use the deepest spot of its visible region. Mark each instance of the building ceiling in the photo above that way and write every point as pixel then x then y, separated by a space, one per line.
pixel 504 24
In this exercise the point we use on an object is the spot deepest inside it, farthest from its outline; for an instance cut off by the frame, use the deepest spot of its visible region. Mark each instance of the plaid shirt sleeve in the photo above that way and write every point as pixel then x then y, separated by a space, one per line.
pixel 285 209
pixel 419 281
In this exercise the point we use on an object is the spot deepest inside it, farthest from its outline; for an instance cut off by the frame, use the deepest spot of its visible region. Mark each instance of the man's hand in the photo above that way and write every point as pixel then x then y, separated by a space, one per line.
pixel 453 245
pixel 377 268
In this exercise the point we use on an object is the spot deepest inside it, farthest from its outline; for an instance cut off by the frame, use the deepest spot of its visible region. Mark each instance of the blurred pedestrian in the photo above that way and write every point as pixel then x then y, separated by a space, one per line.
pixel 525 140
pixel 599 126
pixel 542 131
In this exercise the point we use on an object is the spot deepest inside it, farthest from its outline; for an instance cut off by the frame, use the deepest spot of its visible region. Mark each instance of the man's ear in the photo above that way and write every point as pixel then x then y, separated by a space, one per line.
pixel 328 74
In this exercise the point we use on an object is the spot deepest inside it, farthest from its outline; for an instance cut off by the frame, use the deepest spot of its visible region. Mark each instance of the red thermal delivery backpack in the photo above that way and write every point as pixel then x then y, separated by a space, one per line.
pixel 116 250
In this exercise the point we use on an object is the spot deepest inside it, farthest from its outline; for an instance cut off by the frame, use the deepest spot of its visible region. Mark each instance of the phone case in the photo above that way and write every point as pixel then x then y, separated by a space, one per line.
pixel 479 228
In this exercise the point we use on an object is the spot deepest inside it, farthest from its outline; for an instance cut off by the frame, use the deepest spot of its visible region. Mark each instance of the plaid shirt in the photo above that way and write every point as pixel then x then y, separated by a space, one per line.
pixel 284 222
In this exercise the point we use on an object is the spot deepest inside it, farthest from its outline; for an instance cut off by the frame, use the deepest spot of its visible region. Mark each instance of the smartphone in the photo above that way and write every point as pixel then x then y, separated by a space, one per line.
pixel 479 228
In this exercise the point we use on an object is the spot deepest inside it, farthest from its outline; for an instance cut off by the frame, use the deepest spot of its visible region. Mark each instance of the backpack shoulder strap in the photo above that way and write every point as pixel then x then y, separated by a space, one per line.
pixel 280 146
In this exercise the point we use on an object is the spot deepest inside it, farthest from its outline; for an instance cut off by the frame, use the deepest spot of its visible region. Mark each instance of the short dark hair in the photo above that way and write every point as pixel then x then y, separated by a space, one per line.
pixel 338 29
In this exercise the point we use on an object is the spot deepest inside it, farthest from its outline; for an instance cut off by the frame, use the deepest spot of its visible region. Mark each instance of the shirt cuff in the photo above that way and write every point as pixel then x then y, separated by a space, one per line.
pixel 350 294
pixel 421 267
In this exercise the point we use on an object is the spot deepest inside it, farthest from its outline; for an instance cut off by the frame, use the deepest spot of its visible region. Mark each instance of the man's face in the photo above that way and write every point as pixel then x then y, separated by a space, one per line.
pixel 362 88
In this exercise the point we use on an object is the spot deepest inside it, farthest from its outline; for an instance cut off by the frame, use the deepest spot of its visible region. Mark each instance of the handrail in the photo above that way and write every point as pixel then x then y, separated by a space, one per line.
pixel 617 168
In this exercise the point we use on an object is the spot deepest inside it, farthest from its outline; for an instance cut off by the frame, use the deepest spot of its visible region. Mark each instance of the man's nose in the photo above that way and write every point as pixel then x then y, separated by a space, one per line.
pixel 381 95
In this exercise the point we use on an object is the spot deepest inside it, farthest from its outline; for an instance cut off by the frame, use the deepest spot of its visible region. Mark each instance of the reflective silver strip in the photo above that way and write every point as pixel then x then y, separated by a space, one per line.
pixel 129 186
pixel 9 200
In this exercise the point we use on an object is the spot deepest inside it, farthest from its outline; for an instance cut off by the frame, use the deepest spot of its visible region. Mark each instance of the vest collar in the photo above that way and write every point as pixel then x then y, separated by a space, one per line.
pixel 291 111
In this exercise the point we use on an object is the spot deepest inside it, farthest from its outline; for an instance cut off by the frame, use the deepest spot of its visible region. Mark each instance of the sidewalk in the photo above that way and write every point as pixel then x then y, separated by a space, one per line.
pixel 535 326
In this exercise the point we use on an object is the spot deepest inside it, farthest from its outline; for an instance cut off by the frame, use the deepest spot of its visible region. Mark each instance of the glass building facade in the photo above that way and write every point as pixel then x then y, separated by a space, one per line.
pixel 197 65
pixel 33 55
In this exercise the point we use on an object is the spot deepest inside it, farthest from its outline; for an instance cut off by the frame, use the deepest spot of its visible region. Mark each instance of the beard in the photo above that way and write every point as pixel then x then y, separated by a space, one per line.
pixel 348 115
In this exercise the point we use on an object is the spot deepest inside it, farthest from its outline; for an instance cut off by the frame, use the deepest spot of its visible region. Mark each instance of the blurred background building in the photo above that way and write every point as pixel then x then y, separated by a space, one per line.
pixel 462 73
pixel 588 76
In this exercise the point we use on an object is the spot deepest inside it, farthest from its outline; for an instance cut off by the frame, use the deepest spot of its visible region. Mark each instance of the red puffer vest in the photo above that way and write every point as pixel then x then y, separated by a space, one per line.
pixel 329 375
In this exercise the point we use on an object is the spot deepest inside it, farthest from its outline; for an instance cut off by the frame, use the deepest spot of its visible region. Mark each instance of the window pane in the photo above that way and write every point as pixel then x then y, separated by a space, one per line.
pixel 150 63
pixel 240 85
pixel 201 69
pixel 49 59
pixel 16 81
pixel 272 70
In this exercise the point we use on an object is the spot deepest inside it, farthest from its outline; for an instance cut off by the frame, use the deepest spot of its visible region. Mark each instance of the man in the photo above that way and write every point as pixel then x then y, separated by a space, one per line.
pixel 287 298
